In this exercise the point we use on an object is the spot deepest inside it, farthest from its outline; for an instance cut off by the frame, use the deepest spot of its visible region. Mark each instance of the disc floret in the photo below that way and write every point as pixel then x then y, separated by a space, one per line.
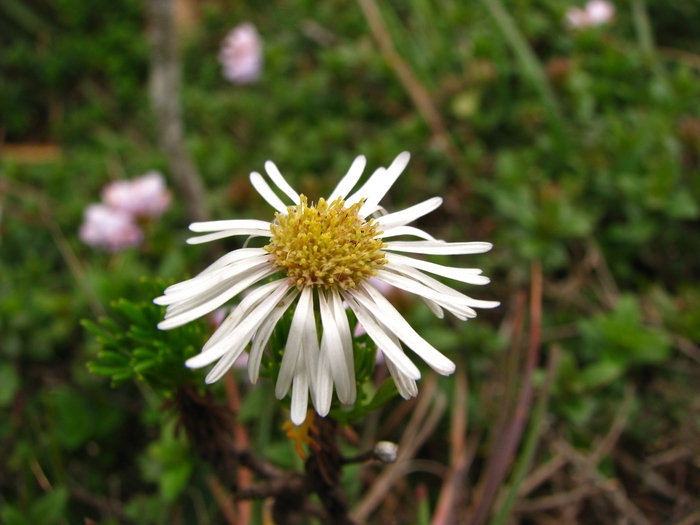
pixel 326 245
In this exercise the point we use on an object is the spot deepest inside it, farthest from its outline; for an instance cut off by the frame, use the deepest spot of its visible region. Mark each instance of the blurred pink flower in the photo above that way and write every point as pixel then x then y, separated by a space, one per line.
pixel 594 13
pixel 241 54
pixel 144 196
pixel 109 228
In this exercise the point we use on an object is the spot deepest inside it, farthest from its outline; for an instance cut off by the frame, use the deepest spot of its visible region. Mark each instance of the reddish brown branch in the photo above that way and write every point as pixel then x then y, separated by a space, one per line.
pixel 507 443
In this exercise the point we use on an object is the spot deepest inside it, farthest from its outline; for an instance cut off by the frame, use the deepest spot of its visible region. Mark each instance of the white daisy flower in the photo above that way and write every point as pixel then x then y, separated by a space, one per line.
pixel 323 255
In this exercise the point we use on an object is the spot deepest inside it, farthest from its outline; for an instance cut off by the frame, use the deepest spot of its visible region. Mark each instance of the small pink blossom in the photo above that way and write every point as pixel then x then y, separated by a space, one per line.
pixel 109 228
pixel 241 54
pixel 594 13
pixel 144 196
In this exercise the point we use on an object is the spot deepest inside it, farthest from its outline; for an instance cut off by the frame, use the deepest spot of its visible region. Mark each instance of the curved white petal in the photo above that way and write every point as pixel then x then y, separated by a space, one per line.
pixel 266 192
pixel 380 337
pixel 281 182
pixel 334 348
pixel 228 233
pixel 195 308
pixel 408 215
pixel 457 305
pixel 300 397
pixel 237 224
pixel 378 186
pixel 324 382
pixel 465 275
pixel 243 332
pixel 363 191
pixel 347 183
pixel 228 259
pixel 376 303
pixel 405 230
pixel 304 309
pixel 262 336
pixel 239 313
pixel 439 247
pixel 341 319
pixel 212 280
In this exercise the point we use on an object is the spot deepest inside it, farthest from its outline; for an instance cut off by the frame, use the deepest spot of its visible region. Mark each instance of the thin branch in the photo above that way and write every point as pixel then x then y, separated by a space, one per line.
pixel 165 97
pixel 426 416
pixel 508 442
pixel 418 93
pixel 460 456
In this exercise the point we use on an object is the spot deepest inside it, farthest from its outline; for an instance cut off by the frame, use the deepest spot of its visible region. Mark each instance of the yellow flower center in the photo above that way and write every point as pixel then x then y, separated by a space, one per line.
pixel 326 245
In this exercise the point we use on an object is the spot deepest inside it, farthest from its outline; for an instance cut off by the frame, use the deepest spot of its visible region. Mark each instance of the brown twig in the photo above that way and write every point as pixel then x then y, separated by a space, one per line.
pixel 590 471
pixel 165 97
pixel 460 458
pixel 418 93
pixel 240 438
pixel 508 442
pixel 420 427
pixel 223 500
pixel 564 499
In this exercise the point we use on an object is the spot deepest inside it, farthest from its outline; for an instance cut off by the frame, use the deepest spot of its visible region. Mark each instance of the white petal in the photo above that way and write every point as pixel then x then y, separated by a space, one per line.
pixel 363 191
pixel 405 230
pixel 266 192
pixel 194 309
pixel 293 347
pixel 225 260
pixel 380 185
pixel 348 182
pixel 439 247
pixel 434 307
pixel 300 398
pixel 405 385
pixel 310 349
pixel 211 280
pixel 381 339
pixel 324 383
pixel 219 226
pixel 228 233
pixel 376 303
pixel 436 285
pixel 240 312
pixel 243 332
pixel 280 181
pixel 409 215
pixel 459 306
pixel 341 321
pixel 465 275
pixel 262 336
pixel 334 346
pixel 224 364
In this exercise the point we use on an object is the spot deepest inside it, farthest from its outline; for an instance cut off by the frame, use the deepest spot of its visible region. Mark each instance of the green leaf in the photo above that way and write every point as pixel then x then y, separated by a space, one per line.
pixel 11 516
pixel 174 480
pixel 9 383
pixel 600 374
pixel 51 507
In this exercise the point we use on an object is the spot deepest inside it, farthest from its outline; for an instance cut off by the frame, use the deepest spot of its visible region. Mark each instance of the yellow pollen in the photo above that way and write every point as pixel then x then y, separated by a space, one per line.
pixel 326 245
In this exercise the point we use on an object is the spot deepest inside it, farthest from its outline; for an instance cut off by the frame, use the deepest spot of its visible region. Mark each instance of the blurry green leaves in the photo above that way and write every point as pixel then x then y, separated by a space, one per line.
pixel 9 383
pixel 169 463
pixel 46 510
pixel 621 338
pixel 78 418
pixel 133 347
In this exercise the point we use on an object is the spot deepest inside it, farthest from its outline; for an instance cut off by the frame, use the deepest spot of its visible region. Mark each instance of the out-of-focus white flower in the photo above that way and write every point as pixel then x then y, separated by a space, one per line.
pixel 145 196
pixel 109 228
pixel 324 254
pixel 241 54
pixel 594 13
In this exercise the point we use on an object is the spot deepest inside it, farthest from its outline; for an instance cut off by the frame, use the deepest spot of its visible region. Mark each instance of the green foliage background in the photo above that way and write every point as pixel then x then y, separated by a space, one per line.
pixel 581 150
